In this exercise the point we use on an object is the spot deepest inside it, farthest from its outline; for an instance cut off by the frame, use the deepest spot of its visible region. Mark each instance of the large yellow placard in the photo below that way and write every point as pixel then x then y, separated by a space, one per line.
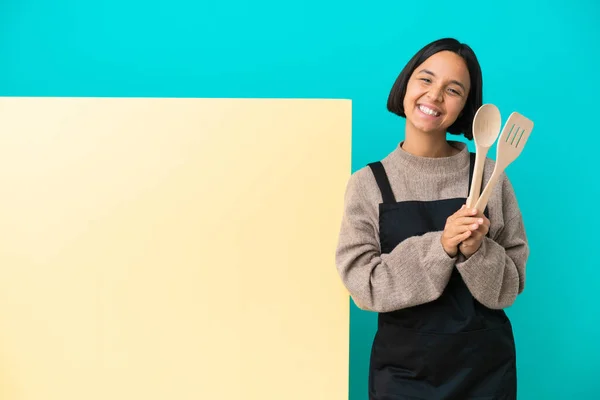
pixel 172 249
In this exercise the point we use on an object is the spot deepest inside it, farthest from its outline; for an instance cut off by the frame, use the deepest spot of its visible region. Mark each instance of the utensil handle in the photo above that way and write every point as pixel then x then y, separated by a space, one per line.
pixel 485 196
pixel 480 155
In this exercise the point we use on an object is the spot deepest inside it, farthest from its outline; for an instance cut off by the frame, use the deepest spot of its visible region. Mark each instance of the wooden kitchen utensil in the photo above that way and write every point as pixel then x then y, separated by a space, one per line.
pixel 514 135
pixel 486 126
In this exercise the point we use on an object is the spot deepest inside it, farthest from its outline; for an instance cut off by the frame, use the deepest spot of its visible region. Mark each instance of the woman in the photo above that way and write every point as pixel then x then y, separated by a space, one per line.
pixel 437 273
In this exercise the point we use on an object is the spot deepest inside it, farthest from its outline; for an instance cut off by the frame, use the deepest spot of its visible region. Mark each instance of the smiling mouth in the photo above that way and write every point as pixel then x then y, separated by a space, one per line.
pixel 429 111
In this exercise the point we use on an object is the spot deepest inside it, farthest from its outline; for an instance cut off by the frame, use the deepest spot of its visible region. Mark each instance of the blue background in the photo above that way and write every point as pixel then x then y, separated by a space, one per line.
pixel 538 59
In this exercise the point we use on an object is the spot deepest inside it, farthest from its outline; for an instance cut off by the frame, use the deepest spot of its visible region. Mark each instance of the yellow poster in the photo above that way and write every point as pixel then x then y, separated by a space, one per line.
pixel 172 249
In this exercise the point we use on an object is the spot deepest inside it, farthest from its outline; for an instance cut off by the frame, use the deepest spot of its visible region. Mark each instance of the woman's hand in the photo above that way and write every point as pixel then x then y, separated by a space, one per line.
pixel 469 246
pixel 460 226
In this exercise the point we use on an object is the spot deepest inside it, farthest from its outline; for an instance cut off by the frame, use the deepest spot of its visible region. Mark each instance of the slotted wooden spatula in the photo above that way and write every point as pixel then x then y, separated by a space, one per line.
pixel 514 135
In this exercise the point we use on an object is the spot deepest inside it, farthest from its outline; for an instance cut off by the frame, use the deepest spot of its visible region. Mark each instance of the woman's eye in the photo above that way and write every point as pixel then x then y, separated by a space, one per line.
pixel 453 91
pixel 426 80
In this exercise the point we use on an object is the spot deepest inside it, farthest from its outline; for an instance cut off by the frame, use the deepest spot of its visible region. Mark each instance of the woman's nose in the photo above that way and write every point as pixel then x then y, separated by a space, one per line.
pixel 435 93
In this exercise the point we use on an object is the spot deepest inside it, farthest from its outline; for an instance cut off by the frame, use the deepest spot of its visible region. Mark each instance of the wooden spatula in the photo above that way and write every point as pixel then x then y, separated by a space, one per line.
pixel 510 144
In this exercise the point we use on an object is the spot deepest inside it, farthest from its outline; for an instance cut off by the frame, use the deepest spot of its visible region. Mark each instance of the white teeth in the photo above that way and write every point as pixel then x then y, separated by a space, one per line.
pixel 429 111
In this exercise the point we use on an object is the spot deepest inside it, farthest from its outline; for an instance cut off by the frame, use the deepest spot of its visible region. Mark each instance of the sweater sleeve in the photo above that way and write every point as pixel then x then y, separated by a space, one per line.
pixel 495 274
pixel 415 272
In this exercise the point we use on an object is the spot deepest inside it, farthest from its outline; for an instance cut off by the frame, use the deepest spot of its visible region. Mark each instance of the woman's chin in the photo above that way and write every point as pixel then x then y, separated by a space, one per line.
pixel 429 128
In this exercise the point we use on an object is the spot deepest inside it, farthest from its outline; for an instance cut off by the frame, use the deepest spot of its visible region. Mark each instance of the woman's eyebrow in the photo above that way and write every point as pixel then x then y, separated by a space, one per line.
pixel 426 71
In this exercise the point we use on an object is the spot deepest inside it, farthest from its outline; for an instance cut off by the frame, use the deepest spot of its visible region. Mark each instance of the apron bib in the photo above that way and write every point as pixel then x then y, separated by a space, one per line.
pixel 453 348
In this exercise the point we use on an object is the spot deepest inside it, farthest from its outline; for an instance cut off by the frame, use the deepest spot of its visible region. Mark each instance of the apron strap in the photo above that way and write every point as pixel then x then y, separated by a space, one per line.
pixel 471 169
pixel 383 182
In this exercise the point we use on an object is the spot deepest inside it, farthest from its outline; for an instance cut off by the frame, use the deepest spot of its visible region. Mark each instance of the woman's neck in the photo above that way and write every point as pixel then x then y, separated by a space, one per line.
pixel 432 145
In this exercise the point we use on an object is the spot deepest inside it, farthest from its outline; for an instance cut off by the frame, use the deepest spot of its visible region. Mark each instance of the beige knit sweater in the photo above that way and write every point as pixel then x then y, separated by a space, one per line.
pixel 418 269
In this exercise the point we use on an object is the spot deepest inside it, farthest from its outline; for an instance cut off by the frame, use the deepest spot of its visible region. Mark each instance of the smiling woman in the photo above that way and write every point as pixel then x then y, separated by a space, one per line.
pixel 437 273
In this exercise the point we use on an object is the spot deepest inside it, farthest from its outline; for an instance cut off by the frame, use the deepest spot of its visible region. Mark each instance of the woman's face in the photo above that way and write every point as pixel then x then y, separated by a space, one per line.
pixel 436 92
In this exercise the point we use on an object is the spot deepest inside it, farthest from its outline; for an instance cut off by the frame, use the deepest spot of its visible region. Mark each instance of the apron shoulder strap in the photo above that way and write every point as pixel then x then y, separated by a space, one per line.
pixel 383 182
pixel 471 169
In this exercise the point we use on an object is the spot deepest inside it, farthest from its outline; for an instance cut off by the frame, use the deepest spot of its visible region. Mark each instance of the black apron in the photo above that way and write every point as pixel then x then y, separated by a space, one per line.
pixel 453 348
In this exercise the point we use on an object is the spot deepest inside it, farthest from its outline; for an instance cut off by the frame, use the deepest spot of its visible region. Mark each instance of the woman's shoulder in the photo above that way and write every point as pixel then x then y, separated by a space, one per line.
pixel 504 183
pixel 362 180
pixel 503 197
pixel 363 184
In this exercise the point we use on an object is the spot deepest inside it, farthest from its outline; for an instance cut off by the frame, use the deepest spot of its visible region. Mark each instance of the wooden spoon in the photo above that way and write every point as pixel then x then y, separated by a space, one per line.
pixel 512 140
pixel 486 126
